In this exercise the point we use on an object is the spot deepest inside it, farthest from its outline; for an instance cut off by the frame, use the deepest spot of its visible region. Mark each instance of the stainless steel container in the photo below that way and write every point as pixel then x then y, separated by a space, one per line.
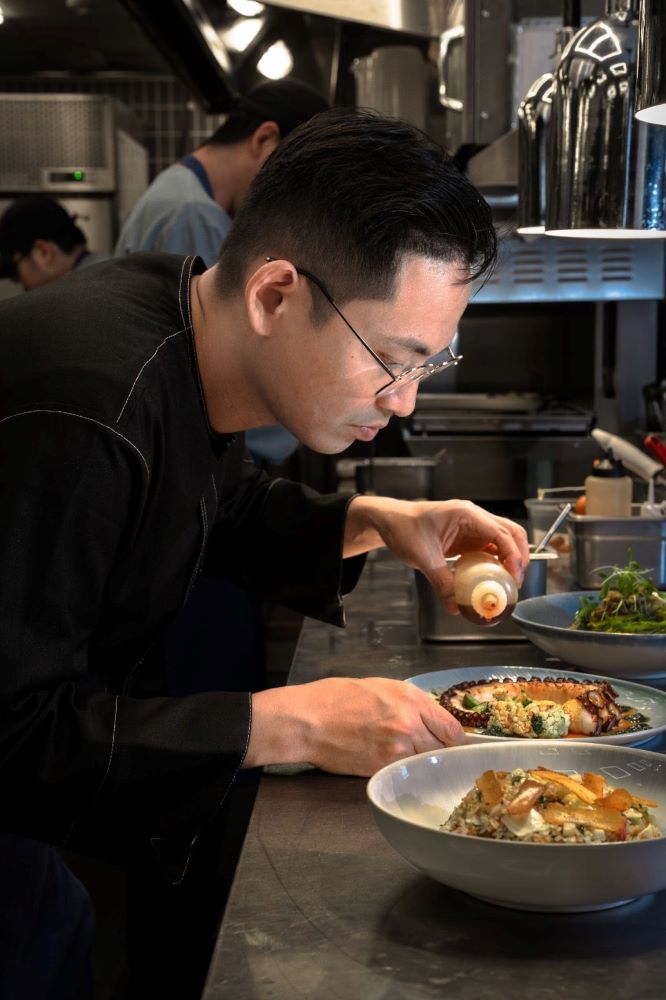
pixel 598 542
pixel 435 624
pixel 403 478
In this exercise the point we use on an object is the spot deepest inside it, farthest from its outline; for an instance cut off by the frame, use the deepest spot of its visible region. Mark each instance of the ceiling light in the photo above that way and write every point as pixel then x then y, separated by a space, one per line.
pixel 606 172
pixel 276 62
pixel 2 16
pixel 247 8
pixel 651 63
pixel 242 33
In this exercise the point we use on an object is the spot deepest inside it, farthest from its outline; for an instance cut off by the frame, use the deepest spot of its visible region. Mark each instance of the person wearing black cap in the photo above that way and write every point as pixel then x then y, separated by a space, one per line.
pixel 189 207
pixel 40 241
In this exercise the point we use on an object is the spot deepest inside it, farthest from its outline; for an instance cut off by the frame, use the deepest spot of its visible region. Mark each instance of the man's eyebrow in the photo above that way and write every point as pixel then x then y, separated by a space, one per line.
pixel 410 344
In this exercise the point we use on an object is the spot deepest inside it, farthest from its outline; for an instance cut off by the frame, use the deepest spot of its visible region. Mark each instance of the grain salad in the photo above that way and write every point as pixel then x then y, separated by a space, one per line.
pixel 540 806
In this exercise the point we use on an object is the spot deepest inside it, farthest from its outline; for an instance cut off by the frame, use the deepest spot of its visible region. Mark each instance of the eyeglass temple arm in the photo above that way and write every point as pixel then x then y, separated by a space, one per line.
pixel 329 298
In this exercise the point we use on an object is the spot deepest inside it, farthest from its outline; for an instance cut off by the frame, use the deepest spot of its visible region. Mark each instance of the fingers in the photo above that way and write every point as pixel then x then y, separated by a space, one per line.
pixel 442 580
pixel 441 724
pixel 512 547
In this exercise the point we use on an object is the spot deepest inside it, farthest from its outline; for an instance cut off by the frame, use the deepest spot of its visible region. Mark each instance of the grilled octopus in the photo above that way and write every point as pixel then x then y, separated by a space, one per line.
pixel 591 706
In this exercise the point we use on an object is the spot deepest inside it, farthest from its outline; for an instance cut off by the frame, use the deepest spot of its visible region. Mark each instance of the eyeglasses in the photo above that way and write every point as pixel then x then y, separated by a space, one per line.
pixel 407 375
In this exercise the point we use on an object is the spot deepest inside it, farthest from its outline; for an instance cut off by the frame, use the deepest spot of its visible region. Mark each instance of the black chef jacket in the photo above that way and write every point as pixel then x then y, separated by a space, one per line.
pixel 114 493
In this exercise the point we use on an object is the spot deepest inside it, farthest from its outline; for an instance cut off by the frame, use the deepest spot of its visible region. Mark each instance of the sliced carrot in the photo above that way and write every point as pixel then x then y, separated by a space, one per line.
pixel 638 800
pixel 609 820
pixel 619 799
pixel 594 782
pixel 571 785
pixel 490 788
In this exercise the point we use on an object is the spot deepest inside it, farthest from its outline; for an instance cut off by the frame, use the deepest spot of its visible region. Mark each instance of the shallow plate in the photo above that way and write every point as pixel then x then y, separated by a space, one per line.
pixel 546 622
pixel 647 700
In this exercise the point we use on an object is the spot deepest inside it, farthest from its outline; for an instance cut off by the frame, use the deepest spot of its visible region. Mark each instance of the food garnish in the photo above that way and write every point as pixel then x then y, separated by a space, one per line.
pixel 541 806
pixel 628 602
pixel 540 708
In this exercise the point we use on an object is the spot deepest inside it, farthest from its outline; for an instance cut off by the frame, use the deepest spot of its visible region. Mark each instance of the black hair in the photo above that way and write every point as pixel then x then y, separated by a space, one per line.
pixel 69 238
pixel 239 125
pixel 288 102
pixel 347 195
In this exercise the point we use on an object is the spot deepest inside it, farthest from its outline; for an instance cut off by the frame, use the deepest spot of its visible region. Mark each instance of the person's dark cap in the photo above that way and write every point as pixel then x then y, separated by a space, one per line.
pixel 288 102
pixel 33 218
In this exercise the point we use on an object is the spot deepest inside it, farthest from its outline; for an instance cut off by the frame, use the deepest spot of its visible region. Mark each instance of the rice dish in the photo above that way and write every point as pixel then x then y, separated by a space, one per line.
pixel 540 806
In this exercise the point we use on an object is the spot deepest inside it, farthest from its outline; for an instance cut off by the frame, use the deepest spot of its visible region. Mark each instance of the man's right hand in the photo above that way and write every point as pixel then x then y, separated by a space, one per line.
pixel 347 725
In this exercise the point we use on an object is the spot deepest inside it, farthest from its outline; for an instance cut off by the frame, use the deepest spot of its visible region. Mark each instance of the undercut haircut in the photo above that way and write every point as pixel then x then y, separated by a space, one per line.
pixel 348 195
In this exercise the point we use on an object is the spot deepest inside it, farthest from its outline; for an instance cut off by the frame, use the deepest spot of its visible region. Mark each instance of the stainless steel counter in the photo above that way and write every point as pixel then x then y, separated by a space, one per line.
pixel 322 908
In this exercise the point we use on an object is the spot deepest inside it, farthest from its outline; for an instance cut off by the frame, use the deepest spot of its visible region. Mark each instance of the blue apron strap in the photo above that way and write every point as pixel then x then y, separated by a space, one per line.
pixel 197 168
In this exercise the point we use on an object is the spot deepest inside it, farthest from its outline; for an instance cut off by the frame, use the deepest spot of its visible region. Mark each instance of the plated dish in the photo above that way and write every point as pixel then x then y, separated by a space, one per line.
pixel 547 622
pixel 542 806
pixel 625 713
pixel 540 708
pixel 412 798
pixel 629 603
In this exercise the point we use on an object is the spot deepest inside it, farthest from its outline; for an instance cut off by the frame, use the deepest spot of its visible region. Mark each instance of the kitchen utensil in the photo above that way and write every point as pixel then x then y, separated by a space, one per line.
pixel 546 621
pixel 561 517
pixel 648 700
pixel 411 798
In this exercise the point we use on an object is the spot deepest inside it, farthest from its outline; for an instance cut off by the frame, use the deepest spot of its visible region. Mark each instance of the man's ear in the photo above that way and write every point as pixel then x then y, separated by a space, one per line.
pixel 44 253
pixel 264 141
pixel 267 293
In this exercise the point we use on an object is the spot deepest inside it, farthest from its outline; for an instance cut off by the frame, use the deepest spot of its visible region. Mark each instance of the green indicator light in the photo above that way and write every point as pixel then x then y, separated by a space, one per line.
pixel 78 175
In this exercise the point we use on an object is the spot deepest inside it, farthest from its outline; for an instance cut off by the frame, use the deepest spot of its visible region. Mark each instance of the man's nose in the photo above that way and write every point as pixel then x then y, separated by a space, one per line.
pixel 401 401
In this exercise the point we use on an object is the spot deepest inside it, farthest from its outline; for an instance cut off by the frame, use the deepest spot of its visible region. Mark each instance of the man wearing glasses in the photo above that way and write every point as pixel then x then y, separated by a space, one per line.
pixel 347 269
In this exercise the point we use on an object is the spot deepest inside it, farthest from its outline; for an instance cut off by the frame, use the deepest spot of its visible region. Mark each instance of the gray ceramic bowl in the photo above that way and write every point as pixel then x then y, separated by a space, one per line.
pixel 411 798
pixel 546 622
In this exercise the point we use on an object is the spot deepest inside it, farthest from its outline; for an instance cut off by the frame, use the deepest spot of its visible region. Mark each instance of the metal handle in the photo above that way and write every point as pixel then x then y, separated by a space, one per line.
pixel 445 39
pixel 563 514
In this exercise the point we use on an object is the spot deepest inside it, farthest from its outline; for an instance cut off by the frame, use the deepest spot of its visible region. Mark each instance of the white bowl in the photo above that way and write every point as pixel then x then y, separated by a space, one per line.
pixel 546 621
pixel 411 798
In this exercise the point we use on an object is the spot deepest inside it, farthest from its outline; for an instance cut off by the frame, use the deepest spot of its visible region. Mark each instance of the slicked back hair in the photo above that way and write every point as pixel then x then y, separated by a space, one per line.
pixel 348 195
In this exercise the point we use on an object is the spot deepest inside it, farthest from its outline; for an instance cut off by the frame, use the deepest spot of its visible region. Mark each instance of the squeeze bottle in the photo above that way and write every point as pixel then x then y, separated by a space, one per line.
pixel 484 590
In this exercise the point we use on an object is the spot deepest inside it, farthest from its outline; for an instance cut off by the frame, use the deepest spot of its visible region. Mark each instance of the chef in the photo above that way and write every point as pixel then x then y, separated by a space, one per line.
pixel 122 391
pixel 40 241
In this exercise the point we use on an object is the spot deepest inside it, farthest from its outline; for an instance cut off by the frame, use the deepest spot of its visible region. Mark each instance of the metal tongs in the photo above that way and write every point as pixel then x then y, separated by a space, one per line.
pixel 561 517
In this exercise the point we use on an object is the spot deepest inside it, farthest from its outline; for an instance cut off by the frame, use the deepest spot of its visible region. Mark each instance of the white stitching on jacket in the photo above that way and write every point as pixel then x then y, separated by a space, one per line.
pixel 67 413
pixel 180 291
pixel 133 386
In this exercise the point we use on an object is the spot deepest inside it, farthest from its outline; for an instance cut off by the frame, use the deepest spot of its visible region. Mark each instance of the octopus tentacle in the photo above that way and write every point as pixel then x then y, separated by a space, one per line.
pixel 591 704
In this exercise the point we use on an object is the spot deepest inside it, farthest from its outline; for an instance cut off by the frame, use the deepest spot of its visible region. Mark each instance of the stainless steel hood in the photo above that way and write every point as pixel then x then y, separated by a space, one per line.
pixel 427 18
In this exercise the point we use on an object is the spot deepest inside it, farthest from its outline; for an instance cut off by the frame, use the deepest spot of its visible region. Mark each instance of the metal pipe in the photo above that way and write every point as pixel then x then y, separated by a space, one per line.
pixel 571 14
pixel 651 63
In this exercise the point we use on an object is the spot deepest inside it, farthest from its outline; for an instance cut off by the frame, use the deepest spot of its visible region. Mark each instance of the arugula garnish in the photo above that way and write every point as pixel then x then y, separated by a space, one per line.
pixel 628 602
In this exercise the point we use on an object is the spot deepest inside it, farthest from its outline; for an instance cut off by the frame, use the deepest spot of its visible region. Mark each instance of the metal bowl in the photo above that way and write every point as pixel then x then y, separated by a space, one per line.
pixel 546 622
pixel 411 798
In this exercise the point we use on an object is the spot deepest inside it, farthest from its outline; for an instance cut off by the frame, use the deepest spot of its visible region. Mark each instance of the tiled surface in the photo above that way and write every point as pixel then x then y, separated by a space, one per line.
pixel 173 123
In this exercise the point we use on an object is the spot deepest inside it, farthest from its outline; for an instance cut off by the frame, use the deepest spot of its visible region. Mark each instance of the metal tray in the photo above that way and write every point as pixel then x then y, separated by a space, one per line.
pixel 598 542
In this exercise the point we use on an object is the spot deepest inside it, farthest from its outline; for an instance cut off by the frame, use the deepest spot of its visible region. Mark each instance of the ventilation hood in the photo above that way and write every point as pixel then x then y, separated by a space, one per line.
pixel 427 18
